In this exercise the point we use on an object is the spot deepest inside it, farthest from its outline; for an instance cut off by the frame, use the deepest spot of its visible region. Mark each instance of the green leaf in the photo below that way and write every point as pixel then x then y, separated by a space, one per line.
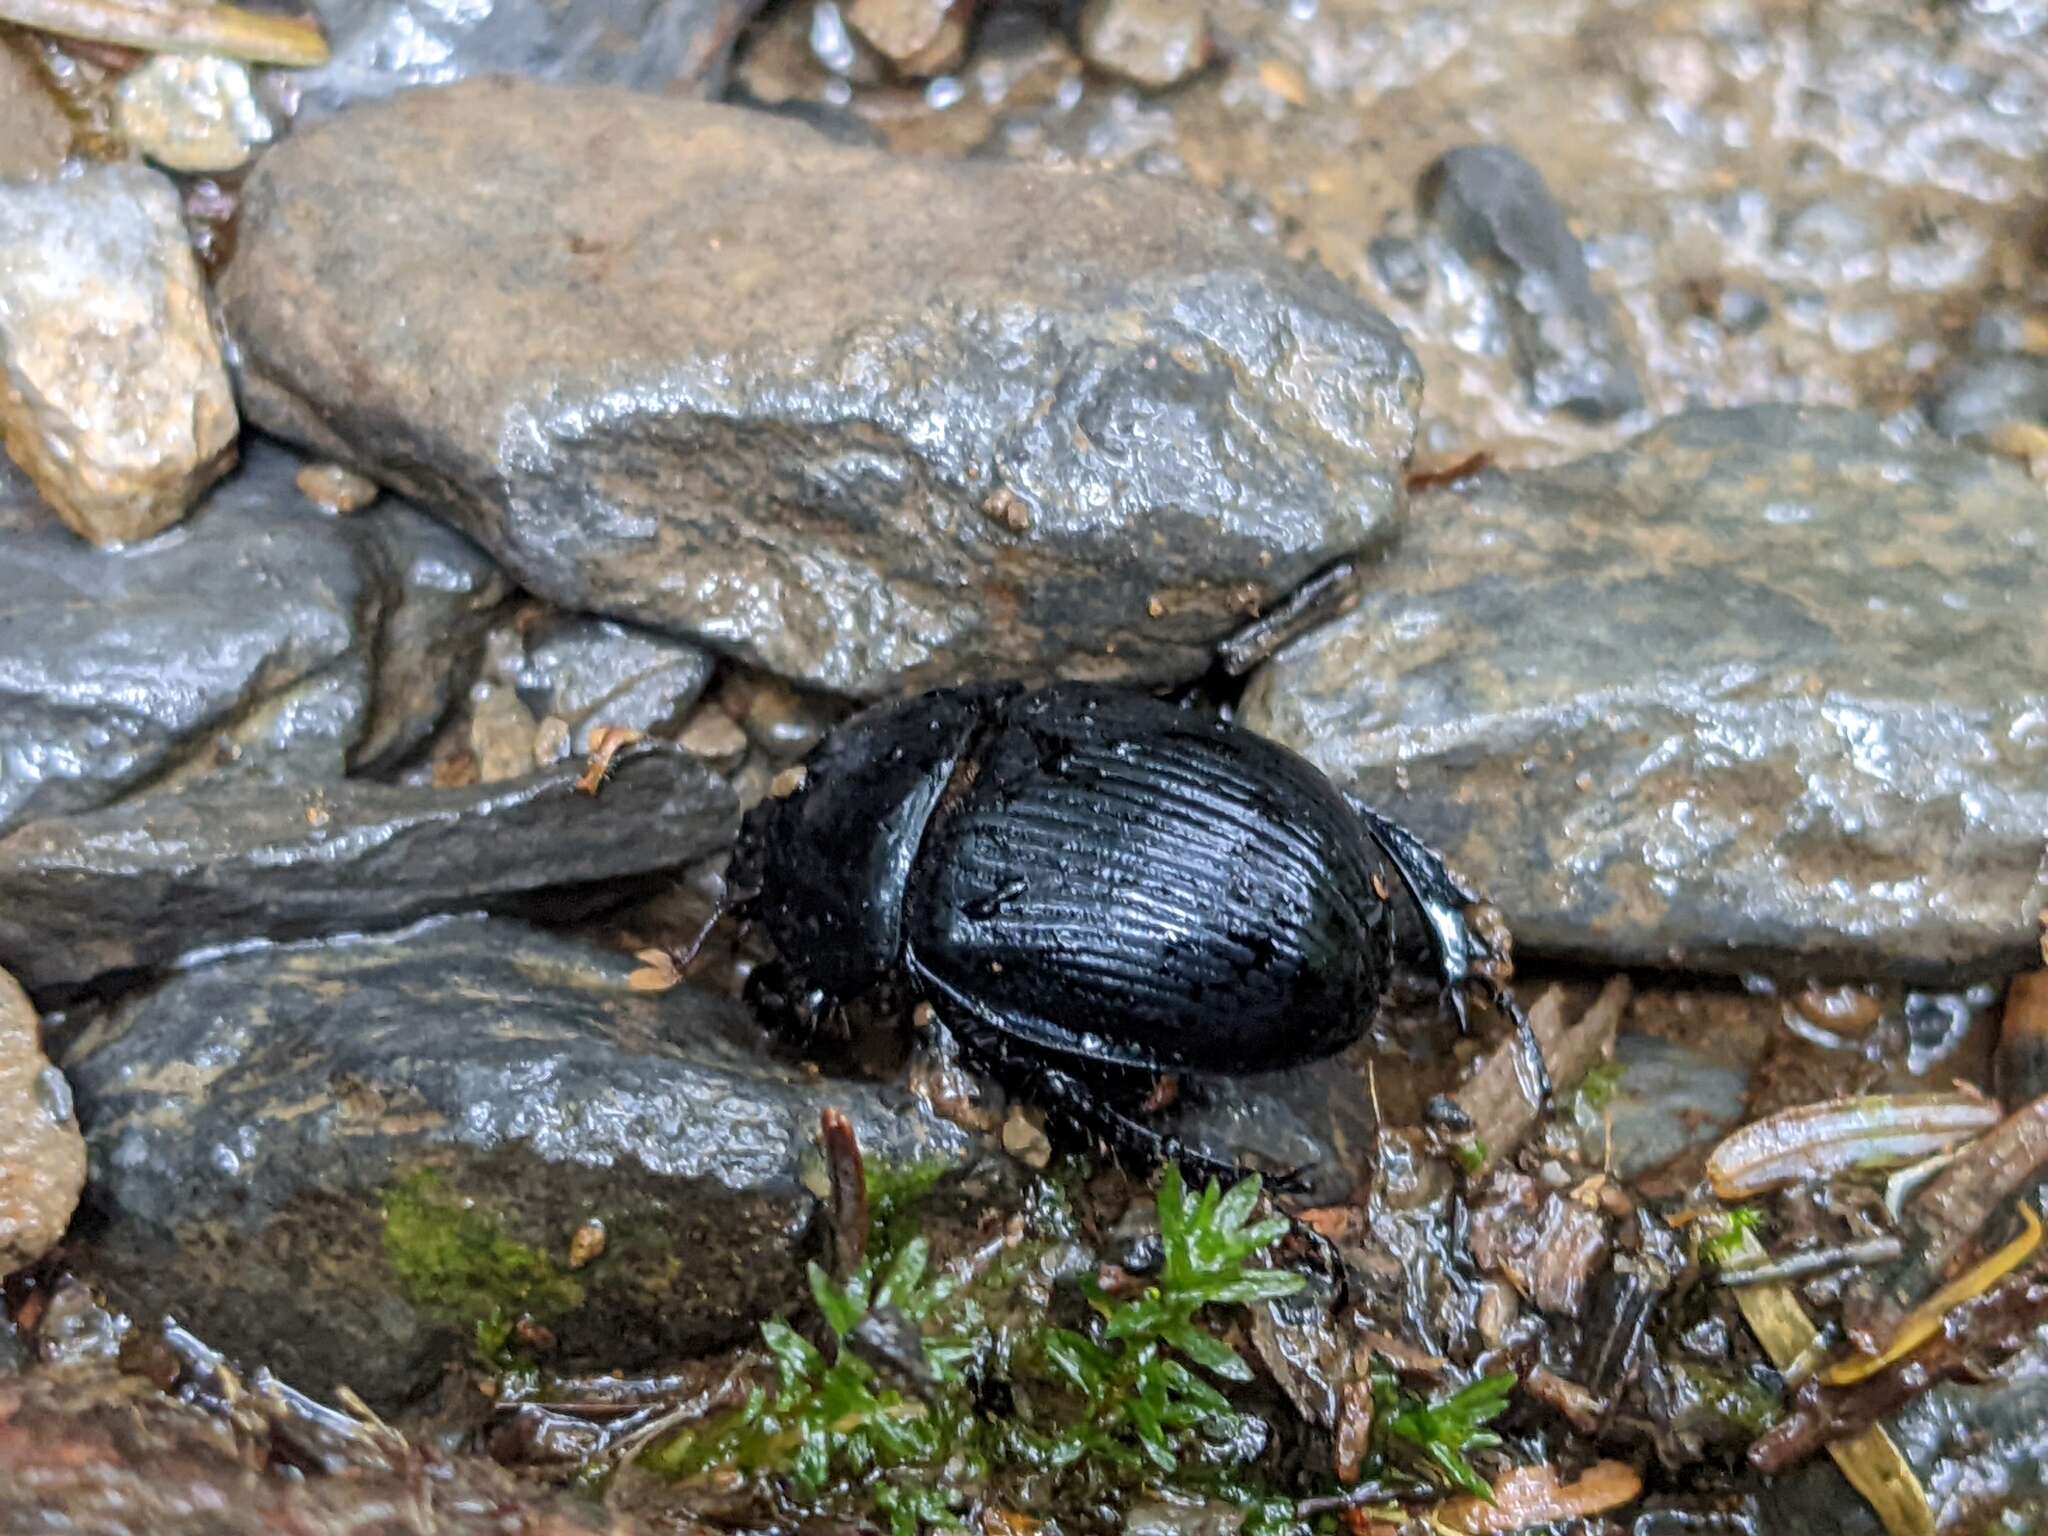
pixel 795 1360
pixel 904 1273
pixel 1209 1352
pixel 842 1309
pixel 1259 1285
pixel 1237 1206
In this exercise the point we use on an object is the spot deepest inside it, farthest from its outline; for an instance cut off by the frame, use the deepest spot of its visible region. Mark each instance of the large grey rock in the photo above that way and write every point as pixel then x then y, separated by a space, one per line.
pixel 231 859
pixel 354 1161
pixel 1987 395
pixel 1496 212
pixel 863 421
pixel 384 46
pixel 113 395
pixel 1766 688
pixel 262 636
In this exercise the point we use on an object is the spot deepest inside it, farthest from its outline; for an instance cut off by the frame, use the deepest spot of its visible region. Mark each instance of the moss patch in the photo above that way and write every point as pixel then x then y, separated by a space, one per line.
pixel 455 1261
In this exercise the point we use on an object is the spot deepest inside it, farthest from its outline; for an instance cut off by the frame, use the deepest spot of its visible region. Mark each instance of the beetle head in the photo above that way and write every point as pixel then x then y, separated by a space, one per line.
pixel 830 859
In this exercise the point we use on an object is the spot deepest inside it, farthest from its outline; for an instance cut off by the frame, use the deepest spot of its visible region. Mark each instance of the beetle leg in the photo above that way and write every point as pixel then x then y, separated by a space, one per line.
pixel 1067 1096
pixel 1442 900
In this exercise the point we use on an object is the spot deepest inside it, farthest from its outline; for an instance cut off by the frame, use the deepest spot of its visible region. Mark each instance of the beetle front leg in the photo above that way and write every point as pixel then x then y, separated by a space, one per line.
pixel 1442 900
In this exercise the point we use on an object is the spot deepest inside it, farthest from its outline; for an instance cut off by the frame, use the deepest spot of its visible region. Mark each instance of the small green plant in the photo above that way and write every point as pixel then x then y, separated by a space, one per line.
pixel 1600 1084
pixel 1722 1240
pixel 1143 1372
pixel 1441 1433
pixel 1135 1393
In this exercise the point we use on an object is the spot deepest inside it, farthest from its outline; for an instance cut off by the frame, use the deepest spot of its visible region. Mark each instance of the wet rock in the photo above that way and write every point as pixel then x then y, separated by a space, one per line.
pixel 231 859
pixel 195 113
pixel 116 400
pixel 34 137
pixel 778 719
pixel 865 422
pixel 920 38
pixel 1982 398
pixel 42 1158
pixel 1151 43
pixel 714 736
pixel 1661 1101
pixel 1494 209
pixel 102 1452
pixel 263 637
pixel 357 1161
pixel 1761 691
pixel 592 673
pixel 384 46
pixel 336 488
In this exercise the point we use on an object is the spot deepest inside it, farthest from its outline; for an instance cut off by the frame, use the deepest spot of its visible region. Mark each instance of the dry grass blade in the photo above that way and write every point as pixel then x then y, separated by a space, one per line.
pixel 1871 1462
pixel 1817 1141
pixel 162 26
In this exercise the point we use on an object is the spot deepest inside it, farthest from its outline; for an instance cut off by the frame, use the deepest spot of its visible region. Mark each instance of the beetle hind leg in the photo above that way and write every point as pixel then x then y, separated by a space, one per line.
pixel 1442 900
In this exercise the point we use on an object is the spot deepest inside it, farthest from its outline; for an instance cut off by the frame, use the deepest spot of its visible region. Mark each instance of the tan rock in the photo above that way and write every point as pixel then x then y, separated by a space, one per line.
pixel 920 37
pixel 1151 43
pixel 113 395
pixel 194 113
pixel 336 488
pixel 34 138
pixel 42 1156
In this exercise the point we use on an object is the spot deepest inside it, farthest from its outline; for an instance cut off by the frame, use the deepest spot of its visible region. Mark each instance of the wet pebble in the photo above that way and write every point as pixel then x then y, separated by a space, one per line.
pixel 1761 691
pixel 1151 43
pixel 192 113
pixel 42 1157
pixel 118 404
pixel 1987 396
pixel 336 488
pixel 1497 213
pixel 646 413
pixel 921 38
pixel 714 736
pixel 594 673
pixel 35 138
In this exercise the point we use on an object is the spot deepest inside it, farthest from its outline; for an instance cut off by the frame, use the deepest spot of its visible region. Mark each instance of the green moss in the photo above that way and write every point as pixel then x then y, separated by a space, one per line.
pixel 894 1195
pixel 1471 1154
pixel 456 1262
pixel 1600 1084
pixel 1725 1238
pixel 1737 1399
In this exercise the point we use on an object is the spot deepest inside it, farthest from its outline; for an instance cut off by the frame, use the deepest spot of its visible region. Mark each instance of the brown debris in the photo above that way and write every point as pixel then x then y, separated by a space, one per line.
pixel 1547 1246
pixel 1942 1225
pixel 1501 1113
pixel 1529 1496
pixel 1993 1324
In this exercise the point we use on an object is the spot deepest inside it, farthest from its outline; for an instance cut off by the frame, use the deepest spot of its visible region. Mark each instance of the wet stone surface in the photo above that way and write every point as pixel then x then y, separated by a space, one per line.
pixel 1493 210
pixel 1807 204
pixel 34 137
pixel 237 858
pixel 1764 690
pixel 115 399
pixel 93 1450
pixel 592 673
pixel 357 1161
pixel 262 635
pixel 383 46
pixel 861 421
pixel 42 1160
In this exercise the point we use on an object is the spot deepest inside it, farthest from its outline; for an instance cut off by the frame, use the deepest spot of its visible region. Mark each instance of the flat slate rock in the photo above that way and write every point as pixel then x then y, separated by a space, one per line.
pixel 232 859
pixel 866 422
pixel 354 1161
pixel 1764 689
pixel 259 635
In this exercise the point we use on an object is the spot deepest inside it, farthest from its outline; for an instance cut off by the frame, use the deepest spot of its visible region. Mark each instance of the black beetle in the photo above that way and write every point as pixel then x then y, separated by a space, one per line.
pixel 1090 884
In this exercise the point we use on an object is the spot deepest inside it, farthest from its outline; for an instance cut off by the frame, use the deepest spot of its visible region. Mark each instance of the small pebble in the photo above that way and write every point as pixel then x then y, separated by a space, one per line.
pixel 335 488
pixel 1024 1138
pixel 713 735
pixel 551 741
pixel 192 113
pixel 502 733
pixel 1151 43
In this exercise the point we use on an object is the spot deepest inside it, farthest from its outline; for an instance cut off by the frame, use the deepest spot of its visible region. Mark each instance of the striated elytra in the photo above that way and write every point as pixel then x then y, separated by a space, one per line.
pixel 1091 886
